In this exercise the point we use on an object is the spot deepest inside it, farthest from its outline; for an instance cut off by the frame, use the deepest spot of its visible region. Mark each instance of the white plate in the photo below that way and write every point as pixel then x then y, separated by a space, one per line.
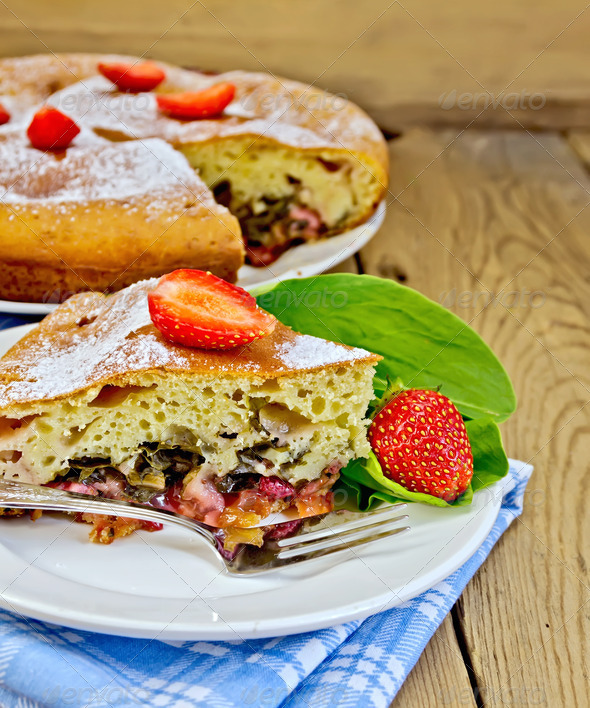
pixel 298 262
pixel 171 586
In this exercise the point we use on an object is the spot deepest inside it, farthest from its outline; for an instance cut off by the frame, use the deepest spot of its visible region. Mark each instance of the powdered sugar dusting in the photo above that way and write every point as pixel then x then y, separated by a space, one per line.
pixel 286 110
pixel 87 342
pixel 91 341
pixel 280 109
pixel 307 352
pixel 95 170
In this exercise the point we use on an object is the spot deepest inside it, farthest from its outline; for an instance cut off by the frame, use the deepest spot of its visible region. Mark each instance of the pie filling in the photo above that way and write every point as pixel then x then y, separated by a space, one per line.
pixel 272 226
pixel 180 480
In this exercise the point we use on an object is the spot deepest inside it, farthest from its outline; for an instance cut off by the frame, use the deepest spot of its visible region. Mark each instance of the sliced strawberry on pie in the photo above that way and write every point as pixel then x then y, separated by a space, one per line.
pixel 51 129
pixel 198 309
pixel 133 78
pixel 4 115
pixel 193 105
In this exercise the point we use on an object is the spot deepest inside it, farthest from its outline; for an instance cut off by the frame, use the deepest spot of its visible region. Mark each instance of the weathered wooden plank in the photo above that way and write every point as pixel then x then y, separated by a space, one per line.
pixel 408 63
pixel 579 140
pixel 495 226
pixel 347 266
pixel 440 677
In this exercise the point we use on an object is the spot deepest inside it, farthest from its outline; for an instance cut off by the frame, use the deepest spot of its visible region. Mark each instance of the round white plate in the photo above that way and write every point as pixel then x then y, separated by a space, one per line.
pixel 315 257
pixel 299 262
pixel 170 585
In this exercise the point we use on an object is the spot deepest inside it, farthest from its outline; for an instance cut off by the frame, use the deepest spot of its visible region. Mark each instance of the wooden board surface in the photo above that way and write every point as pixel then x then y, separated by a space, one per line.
pixel 440 678
pixel 413 62
pixel 579 140
pixel 495 225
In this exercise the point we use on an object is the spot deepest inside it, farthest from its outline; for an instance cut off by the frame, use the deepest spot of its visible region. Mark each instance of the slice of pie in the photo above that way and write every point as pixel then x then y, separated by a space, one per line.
pixel 96 400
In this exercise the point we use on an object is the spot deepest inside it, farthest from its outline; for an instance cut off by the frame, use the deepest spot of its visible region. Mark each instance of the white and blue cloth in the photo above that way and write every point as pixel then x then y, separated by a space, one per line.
pixel 353 665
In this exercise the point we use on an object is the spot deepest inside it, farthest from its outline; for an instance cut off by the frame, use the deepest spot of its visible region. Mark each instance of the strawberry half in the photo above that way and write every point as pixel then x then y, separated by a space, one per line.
pixel 51 129
pixel 421 442
pixel 198 309
pixel 133 78
pixel 4 115
pixel 193 105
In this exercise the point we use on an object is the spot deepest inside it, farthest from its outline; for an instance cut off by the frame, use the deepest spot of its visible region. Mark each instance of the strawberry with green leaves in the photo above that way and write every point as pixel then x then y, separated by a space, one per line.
pixel 421 442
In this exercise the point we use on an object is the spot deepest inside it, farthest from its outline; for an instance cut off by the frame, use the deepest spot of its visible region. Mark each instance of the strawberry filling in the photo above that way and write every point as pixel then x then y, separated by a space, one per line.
pixel 298 225
pixel 304 222
pixel 246 500
pixel 105 529
pixel 276 488
pixel 272 226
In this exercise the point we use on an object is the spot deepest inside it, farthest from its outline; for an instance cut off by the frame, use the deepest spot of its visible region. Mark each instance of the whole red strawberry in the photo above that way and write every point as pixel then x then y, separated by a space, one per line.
pixel 420 440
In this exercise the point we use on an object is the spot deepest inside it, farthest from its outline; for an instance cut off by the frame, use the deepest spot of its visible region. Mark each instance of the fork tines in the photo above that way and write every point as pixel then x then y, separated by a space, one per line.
pixel 340 537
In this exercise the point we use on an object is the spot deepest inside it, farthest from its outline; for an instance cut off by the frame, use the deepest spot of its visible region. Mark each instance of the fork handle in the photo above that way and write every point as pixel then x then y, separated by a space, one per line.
pixel 18 495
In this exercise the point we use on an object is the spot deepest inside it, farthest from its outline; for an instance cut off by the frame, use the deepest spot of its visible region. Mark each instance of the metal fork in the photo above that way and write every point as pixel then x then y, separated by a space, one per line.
pixel 326 537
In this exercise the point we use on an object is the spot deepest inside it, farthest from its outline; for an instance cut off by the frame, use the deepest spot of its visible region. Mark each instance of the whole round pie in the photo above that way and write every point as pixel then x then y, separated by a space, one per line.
pixel 139 193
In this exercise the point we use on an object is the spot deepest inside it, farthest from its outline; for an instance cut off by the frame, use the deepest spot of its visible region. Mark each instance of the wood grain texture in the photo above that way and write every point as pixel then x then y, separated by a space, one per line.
pixel 495 226
pixel 400 61
pixel 440 677
pixel 347 266
pixel 579 140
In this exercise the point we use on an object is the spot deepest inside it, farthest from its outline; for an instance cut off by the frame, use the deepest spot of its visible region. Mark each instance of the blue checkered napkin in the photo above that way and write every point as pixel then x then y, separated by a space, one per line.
pixel 355 664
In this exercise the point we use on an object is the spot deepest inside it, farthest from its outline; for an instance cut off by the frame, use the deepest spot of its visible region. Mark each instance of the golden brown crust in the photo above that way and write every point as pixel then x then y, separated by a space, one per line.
pixel 93 340
pixel 270 107
pixel 26 282
pixel 101 216
pixel 309 116
pixel 34 78
pixel 267 109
